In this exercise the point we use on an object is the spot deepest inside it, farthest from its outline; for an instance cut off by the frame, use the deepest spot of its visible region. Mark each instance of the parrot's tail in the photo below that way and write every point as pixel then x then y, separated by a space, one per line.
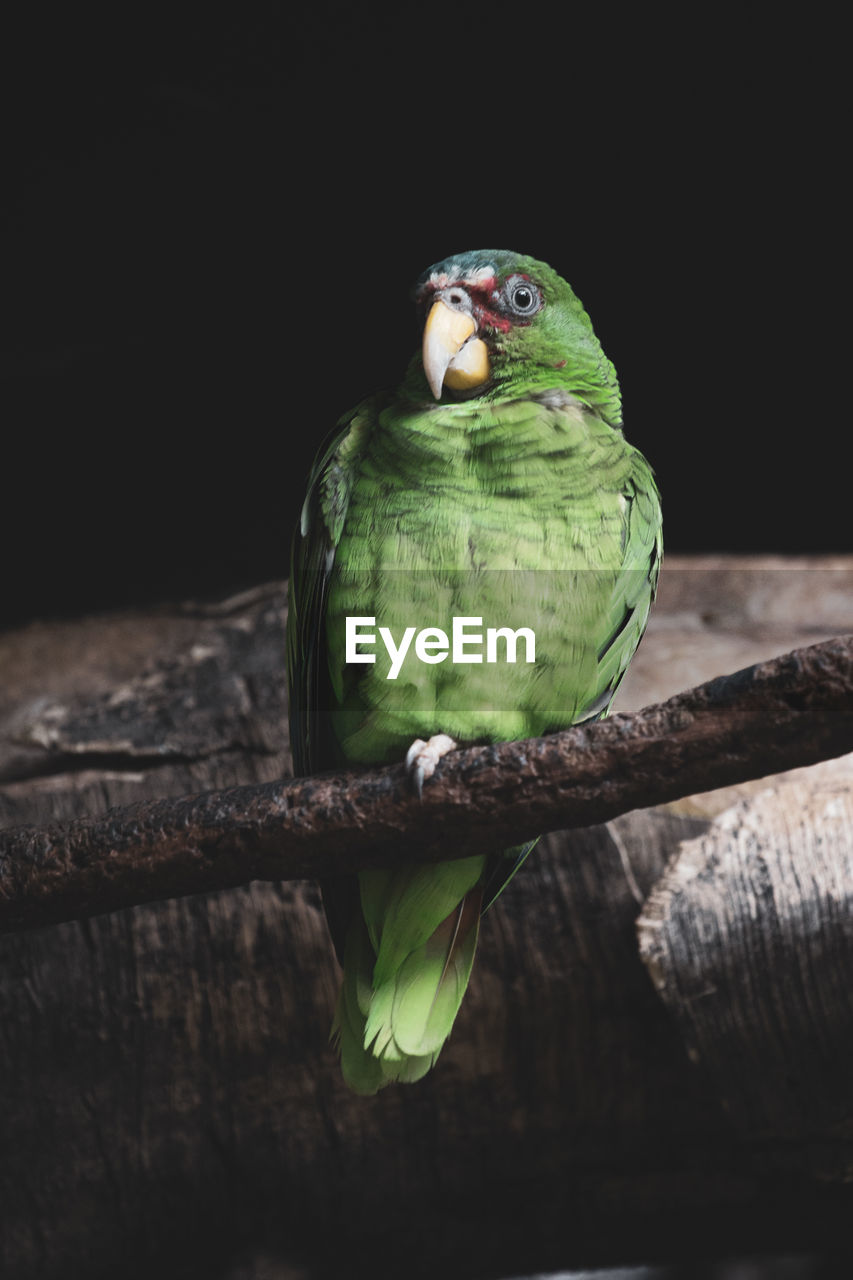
pixel 397 1006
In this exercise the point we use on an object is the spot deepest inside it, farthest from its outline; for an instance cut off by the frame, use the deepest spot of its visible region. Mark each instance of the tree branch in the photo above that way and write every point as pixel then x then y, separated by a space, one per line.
pixel 791 711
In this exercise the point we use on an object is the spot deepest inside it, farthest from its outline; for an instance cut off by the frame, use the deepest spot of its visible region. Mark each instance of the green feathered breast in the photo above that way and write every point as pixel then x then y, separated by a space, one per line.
pixel 521 505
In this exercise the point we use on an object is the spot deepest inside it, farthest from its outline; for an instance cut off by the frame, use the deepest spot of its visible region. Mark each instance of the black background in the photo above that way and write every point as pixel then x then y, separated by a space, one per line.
pixel 213 218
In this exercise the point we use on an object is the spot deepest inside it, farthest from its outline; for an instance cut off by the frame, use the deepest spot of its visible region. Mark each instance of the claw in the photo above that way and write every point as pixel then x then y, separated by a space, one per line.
pixel 422 757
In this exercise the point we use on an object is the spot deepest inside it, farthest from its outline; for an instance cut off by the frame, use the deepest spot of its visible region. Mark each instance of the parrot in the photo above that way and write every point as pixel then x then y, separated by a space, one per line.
pixel 493 485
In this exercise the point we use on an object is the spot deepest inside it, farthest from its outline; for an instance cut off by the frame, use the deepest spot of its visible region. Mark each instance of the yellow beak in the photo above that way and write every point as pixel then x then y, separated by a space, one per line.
pixel 452 356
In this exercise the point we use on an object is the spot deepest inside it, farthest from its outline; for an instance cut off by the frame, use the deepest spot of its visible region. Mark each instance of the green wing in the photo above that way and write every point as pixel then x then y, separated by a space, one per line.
pixel 315 541
pixel 623 622
pixel 312 559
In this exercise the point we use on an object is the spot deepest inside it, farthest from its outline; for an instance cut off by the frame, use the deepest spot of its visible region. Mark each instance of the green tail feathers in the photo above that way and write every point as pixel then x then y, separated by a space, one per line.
pixel 407 962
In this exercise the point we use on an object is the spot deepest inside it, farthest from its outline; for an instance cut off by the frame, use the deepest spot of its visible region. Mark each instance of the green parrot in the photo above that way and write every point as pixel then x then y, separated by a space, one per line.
pixel 475 562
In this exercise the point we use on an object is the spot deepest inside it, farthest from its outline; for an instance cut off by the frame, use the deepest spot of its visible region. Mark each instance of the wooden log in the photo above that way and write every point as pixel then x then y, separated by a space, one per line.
pixel 170 1097
pixel 748 938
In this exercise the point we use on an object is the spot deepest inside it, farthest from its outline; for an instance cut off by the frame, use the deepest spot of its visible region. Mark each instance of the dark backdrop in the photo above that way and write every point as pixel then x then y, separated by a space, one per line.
pixel 212 221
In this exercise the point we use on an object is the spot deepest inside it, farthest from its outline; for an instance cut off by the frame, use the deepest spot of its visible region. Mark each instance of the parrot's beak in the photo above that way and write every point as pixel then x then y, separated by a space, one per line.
pixel 452 356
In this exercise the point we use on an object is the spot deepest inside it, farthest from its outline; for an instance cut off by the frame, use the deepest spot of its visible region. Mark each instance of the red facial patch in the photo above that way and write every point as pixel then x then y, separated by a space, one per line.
pixel 484 294
pixel 483 299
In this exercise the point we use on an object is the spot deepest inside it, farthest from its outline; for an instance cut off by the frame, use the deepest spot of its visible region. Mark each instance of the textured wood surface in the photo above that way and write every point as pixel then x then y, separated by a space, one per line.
pixel 792 710
pixel 748 938
pixel 170 1101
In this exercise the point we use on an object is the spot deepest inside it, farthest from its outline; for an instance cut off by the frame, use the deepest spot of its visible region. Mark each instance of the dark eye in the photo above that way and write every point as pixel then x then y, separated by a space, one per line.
pixel 523 297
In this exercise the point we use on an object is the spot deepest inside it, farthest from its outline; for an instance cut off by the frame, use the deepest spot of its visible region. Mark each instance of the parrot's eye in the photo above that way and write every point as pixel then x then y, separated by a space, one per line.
pixel 523 297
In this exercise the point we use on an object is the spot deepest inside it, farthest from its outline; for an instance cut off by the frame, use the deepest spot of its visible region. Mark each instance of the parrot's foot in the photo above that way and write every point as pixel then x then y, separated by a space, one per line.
pixel 422 757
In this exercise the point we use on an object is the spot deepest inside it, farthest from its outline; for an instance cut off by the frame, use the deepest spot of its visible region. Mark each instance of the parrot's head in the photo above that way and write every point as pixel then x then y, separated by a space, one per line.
pixel 496 321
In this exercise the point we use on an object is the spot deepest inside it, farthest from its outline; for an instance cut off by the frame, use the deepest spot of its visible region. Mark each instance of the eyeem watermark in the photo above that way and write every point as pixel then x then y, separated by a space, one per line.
pixel 432 644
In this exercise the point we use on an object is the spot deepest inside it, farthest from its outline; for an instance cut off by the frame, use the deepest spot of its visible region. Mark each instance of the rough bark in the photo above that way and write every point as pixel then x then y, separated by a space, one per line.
pixel 170 1100
pixel 794 710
